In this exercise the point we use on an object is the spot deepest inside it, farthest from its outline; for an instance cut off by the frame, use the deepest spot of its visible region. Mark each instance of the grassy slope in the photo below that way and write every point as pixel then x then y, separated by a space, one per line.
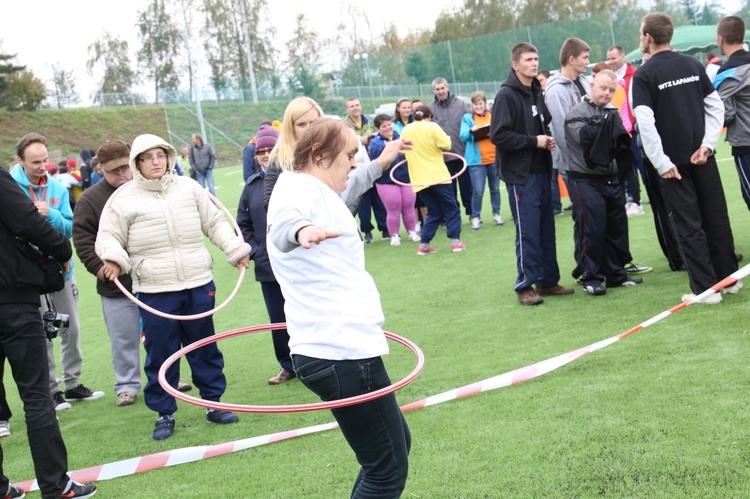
pixel 661 413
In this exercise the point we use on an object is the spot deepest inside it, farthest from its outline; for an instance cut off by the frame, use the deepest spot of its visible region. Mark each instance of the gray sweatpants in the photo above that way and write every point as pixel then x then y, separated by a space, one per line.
pixel 65 301
pixel 123 324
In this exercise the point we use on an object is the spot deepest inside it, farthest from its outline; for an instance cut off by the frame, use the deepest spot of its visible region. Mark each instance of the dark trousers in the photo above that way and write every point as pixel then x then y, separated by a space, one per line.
pixel 555 186
pixel 742 162
pixel 634 186
pixel 163 337
pixel 603 229
pixel 275 306
pixel 370 203
pixel 664 229
pixel 698 209
pixel 23 343
pixel 463 183
pixel 536 250
pixel 441 205
pixel 376 431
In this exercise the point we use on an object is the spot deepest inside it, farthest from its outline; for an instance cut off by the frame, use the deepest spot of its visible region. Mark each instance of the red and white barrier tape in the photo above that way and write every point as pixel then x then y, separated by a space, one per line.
pixel 191 454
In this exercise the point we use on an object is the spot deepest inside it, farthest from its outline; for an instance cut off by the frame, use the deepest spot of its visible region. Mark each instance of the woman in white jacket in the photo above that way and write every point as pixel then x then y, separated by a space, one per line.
pixel 154 229
pixel 333 311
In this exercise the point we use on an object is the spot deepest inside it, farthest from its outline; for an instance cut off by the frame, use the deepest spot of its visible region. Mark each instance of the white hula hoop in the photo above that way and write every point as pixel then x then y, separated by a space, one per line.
pixel 458 156
pixel 193 317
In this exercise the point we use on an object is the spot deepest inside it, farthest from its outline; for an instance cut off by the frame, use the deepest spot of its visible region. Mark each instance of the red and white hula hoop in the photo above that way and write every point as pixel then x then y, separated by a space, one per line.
pixel 457 156
pixel 282 408
pixel 192 317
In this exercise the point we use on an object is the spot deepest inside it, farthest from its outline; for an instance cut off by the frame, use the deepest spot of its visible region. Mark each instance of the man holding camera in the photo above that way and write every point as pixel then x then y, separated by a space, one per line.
pixel 51 199
pixel 22 339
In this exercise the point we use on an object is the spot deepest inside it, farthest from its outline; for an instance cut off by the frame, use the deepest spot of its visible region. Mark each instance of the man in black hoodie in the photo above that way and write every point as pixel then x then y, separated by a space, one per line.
pixel 22 338
pixel 520 132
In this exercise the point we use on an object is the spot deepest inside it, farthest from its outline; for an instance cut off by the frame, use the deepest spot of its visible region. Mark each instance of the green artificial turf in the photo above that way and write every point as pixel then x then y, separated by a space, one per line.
pixel 661 413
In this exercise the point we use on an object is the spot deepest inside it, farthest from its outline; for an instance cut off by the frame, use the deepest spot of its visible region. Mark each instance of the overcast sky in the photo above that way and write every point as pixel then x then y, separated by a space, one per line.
pixel 59 32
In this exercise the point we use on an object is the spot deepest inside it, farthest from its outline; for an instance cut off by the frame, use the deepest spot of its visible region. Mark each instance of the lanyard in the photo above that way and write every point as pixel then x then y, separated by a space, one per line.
pixel 42 193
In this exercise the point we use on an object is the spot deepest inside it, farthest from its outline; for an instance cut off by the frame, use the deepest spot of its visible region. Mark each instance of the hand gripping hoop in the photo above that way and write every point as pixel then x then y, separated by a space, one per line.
pixel 457 156
pixel 282 408
pixel 165 315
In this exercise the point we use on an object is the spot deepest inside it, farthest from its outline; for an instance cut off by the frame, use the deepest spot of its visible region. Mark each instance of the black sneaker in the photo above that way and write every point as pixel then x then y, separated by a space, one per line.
pixel 594 288
pixel 60 403
pixel 221 417
pixel 163 428
pixel 80 392
pixel 14 493
pixel 368 237
pixel 78 490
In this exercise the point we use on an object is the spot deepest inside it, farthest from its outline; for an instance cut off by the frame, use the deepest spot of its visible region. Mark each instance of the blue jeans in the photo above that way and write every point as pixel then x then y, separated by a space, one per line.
pixel 480 174
pixel 207 177
pixel 376 431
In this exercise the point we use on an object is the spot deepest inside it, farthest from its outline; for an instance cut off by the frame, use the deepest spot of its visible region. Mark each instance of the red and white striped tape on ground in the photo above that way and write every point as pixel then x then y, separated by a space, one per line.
pixel 191 454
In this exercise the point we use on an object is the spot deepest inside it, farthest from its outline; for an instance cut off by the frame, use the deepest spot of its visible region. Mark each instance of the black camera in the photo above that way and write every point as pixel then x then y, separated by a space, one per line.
pixel 53 322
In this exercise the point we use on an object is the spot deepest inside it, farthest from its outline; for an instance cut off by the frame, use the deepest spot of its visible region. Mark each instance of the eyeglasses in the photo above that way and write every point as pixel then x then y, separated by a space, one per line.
pixel 263 152
pixel 158 157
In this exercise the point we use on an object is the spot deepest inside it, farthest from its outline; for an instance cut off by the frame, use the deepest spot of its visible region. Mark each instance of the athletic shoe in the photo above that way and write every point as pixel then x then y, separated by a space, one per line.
pixel 498 220
pixel 459 246
pixel 80 392
pixel 729 290
pixel 385 235
pixel 163 428
pixel 712 299
pixel 475 223
pixel 629 281
pixel 14 493
pixel 78 490
pixel 413 236
pixel 221 417
pixel 395 240
pixel 555 290
pixel 594 288
pixel 368 237
pixel 60 403
pixel 4 429
pixel 634 268
pixel 529 297
pixel 424 251
pixel 557 213
pixel 125 398
pixel 418 227
pixel 634 210
pixel 184 386
pixel 739 257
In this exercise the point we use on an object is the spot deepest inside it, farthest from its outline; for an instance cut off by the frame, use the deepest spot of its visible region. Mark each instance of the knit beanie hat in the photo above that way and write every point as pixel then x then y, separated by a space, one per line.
pixel 266 137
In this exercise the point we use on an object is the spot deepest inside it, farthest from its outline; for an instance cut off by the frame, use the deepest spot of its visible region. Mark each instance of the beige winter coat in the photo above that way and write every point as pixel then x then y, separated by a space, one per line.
pixel 154 229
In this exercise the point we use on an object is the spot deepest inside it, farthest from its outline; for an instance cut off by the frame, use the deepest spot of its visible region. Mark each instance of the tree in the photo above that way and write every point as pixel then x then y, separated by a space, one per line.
pixel 304 61
pixel 7 69
pixel 25 91
pixel 416 68
pixel 161 42
pixel 64 87
pixel 226 41
pixel 108 57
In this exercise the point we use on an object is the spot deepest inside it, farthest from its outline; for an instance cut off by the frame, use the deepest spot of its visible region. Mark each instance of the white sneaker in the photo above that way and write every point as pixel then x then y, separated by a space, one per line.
pixel 634 210
pixel 729 290
pixel 4 429
pixel 413 236
pixel 498 220
pixel 475 223
pixel 418 227
pixel 712 299
pixel 395 240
